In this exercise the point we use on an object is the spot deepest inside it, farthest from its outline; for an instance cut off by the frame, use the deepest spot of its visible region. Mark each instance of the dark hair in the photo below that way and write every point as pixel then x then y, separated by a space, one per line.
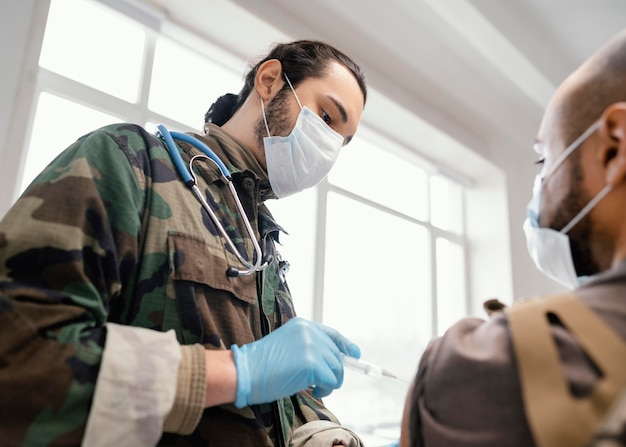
pixel 301 60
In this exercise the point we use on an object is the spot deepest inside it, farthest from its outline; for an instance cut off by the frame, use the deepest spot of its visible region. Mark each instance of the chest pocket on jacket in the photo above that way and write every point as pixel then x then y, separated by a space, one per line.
pixel 197 273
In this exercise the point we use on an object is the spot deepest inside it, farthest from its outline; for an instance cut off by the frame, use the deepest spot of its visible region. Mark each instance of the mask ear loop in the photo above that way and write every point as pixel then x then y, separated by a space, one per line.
pixel 601 195
pixel 572 147
pixel 293 90
pixel 267 128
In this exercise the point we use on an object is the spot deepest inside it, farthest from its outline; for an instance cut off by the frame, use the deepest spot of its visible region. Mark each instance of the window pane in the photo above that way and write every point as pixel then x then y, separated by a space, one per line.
pixel 296 214
pixel 382 177
pixel 451 302
pixel 377 293
pixel 51 133
pixel 94 45
pixel 185 84
pixel 446 202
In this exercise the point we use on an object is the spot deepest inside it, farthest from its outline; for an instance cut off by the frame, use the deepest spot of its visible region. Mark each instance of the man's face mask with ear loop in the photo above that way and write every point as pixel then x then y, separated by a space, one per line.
pixel 304 157
pixel 550 249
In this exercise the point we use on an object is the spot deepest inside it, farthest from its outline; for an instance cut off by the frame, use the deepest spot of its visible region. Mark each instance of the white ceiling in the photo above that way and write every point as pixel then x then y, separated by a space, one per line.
pixel 480 70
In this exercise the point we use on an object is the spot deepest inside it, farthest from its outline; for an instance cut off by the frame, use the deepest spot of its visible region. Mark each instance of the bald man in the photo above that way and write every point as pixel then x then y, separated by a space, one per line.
pixel 549 371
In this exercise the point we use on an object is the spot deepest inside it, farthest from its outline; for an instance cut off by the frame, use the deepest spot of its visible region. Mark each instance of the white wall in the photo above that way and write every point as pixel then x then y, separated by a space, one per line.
pixel 21 27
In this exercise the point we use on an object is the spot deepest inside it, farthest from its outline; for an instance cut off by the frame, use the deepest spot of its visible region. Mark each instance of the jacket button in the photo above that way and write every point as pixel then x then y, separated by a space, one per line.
pixel 248 184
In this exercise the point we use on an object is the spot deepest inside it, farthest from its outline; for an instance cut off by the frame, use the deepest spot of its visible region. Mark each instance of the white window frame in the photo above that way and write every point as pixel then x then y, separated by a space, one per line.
pixel 478 286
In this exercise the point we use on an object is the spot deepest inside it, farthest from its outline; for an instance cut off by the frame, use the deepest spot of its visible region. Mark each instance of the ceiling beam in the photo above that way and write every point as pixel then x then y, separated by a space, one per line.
pixel 495 47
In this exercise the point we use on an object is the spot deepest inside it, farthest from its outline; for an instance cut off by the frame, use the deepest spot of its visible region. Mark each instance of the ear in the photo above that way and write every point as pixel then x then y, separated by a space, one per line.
pixel 269 79
pixel 614 151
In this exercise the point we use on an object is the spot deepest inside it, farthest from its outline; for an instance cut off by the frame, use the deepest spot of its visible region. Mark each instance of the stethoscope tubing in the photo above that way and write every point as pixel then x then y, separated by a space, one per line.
pixel 190 181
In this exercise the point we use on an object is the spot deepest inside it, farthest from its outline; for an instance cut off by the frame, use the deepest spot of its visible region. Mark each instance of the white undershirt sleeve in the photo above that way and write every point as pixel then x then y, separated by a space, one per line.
pixel 135 389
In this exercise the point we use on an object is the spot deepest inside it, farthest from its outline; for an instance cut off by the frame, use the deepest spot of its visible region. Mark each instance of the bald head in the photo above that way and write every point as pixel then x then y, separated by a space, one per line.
pixel 598 83
pixel 595 92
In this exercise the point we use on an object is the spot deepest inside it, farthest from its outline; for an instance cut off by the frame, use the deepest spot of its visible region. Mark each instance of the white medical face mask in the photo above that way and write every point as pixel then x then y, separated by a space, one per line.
pixel 550 249
pixel 304 157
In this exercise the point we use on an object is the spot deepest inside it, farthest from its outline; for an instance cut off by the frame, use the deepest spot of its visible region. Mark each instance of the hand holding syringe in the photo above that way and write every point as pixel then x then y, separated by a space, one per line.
pixel 366 368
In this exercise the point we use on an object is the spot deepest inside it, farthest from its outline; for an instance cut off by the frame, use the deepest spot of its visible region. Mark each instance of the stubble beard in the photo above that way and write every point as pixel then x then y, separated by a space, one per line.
pixel 278 120
pixel 580 236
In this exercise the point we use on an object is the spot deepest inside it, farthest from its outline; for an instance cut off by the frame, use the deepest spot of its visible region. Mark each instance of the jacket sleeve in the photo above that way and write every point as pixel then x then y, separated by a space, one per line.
pixel 67 248
pixel 466 390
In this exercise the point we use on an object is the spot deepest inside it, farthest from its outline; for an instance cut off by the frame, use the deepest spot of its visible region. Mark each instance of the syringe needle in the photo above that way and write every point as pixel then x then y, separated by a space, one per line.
pixel 364 367
pixel 388 374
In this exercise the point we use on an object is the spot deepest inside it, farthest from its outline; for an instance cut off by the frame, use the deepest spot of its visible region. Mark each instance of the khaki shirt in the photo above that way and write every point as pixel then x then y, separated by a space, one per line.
pixel 467 389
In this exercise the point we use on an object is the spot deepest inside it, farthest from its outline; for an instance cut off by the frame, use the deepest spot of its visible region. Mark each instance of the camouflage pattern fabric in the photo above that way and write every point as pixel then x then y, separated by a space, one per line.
pixel 109 233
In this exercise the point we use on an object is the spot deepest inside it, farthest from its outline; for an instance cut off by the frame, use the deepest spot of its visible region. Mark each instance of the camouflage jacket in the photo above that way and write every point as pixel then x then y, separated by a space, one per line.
pixel 109 235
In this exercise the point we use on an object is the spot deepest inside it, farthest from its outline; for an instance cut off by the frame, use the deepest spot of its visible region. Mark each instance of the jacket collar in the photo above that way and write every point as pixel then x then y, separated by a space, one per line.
pixel 237 158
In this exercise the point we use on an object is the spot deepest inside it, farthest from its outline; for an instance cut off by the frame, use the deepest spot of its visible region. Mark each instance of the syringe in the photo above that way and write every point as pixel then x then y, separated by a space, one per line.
pixel 366 368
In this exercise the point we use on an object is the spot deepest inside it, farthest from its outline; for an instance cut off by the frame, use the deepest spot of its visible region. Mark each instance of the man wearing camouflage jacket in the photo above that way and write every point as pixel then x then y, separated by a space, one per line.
pixel 119 323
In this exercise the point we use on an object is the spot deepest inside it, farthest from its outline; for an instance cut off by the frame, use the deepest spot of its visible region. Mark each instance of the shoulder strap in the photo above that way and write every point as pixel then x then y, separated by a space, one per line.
pixel 557 418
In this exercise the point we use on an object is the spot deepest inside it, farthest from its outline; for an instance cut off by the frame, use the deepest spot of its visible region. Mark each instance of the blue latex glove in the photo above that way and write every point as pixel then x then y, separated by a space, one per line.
pixel 294 357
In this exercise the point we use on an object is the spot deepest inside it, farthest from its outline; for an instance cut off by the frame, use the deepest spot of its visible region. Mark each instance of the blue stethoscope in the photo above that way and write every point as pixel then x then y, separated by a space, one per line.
pixel 189 178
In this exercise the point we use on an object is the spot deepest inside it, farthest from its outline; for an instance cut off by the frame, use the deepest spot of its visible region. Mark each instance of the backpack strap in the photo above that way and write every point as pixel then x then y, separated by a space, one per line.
pixel 556 418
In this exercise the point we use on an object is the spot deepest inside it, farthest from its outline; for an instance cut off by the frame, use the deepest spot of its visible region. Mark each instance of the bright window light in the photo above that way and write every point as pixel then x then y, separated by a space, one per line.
pixel 58 123
pixel 372 172
pixel 377 281
pixel 393 232
pixel 185 83
pixel 94 45
pixel 451 301
pixel 446 204
pixel 377 292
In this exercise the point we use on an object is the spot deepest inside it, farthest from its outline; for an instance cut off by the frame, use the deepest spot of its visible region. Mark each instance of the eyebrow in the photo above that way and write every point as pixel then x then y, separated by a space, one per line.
pixel 344 116
pixel 342 110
